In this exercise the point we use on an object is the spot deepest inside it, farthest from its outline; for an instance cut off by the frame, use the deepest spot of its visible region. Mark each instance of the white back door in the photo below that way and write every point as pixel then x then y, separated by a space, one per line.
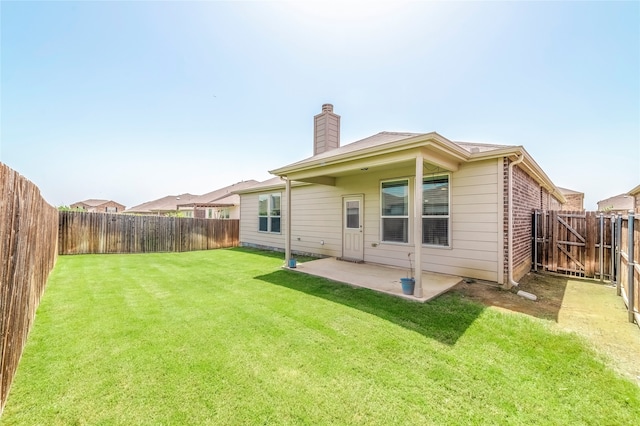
pixel 352 235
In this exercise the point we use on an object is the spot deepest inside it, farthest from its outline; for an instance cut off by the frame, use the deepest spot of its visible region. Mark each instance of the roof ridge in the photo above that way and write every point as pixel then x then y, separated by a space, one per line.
pixel 398 133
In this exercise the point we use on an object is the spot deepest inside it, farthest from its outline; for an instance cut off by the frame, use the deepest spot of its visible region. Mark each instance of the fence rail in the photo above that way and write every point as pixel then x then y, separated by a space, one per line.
pixel 28 239
pixel 93 233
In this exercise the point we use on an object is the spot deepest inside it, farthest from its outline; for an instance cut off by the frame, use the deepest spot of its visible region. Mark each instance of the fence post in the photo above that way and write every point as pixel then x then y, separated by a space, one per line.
pixel 630 267
pixel 601 251
pixel 612 251
pixel 618 258
pixel 535 240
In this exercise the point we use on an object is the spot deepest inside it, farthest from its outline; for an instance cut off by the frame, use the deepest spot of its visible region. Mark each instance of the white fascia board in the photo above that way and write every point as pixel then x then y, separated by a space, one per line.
pixel 391 148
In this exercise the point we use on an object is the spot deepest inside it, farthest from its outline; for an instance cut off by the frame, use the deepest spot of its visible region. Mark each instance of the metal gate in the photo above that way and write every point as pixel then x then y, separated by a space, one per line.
pixel 580 244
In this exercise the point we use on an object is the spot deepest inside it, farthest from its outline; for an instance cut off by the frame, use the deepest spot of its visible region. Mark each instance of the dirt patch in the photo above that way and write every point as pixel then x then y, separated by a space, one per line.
pixel 548 289
pixel 588 308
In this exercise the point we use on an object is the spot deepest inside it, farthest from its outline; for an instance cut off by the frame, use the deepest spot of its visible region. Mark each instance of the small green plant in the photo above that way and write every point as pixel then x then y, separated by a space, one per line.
pixel 70 209
pixel 177 213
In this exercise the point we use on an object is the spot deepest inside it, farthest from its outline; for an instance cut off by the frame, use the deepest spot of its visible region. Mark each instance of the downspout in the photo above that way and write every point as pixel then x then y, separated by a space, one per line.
pixel 511 282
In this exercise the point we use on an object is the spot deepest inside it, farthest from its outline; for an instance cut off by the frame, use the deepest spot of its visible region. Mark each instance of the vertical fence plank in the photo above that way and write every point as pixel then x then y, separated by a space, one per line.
pixel 553 240
pixel 590 236
pixel 545 239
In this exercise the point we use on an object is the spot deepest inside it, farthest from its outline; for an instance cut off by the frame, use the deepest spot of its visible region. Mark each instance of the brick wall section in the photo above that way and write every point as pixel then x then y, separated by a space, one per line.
pixel 527 196
pixel 575 202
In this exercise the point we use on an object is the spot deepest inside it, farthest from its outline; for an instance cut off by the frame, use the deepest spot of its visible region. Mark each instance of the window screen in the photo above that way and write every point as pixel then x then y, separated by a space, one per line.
pixel 268 213
pixel 435 210
pixel 395 211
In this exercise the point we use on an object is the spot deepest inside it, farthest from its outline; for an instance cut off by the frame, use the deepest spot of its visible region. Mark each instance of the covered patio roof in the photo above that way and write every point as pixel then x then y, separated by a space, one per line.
pixel 384 150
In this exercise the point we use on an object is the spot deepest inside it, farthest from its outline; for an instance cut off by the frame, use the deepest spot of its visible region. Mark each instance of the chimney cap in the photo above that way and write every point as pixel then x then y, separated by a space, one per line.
pixel 327 107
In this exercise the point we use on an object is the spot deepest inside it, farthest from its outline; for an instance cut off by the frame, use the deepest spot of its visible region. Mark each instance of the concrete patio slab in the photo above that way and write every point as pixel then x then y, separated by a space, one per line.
pixel 385 279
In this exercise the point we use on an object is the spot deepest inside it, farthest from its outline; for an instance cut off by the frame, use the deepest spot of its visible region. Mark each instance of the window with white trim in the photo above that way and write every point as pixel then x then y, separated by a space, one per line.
pixel 394 218
pixel 269 213
pixel 435 210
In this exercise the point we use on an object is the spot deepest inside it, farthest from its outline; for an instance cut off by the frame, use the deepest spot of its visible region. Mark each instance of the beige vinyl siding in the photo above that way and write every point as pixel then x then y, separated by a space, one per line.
pixel 234 212
pixel 317 218
pixel 476 221
pixel 375 250
pixel 249 222
pixel 476 206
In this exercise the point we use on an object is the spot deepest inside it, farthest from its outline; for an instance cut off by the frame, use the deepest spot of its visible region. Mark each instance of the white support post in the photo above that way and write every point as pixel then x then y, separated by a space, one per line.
pixel 417 225
pixel 287 227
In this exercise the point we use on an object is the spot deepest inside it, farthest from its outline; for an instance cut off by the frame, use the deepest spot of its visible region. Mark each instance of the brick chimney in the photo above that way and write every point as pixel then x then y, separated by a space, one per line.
pixel 326 130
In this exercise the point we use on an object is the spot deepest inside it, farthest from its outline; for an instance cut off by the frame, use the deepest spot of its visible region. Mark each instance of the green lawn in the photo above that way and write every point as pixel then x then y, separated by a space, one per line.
pixel 227 337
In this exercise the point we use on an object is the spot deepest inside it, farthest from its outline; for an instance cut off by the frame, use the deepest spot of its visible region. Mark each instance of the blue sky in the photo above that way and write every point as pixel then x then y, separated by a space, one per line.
pixel 132 101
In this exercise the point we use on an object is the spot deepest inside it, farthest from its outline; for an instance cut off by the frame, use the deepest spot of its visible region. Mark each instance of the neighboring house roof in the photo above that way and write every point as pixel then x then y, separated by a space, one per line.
pixel 219 197
pixel 93 202
pixel 617 202
pixel 225 192
pixel 374 151
pixel 163 204
pixel 566 191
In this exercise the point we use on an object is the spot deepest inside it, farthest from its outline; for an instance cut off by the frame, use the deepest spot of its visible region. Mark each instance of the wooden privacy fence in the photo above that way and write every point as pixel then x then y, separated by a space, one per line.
pixel 627 263
pixel 590 245
pixel 573 243
pixel 28 239
pixel 82 233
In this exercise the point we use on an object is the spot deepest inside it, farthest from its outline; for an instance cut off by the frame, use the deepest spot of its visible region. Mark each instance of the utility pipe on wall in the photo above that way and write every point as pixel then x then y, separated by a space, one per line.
pixel 511 283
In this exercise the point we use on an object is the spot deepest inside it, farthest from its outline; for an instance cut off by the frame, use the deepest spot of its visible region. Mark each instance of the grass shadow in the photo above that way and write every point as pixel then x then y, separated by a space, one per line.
pixel 444 319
